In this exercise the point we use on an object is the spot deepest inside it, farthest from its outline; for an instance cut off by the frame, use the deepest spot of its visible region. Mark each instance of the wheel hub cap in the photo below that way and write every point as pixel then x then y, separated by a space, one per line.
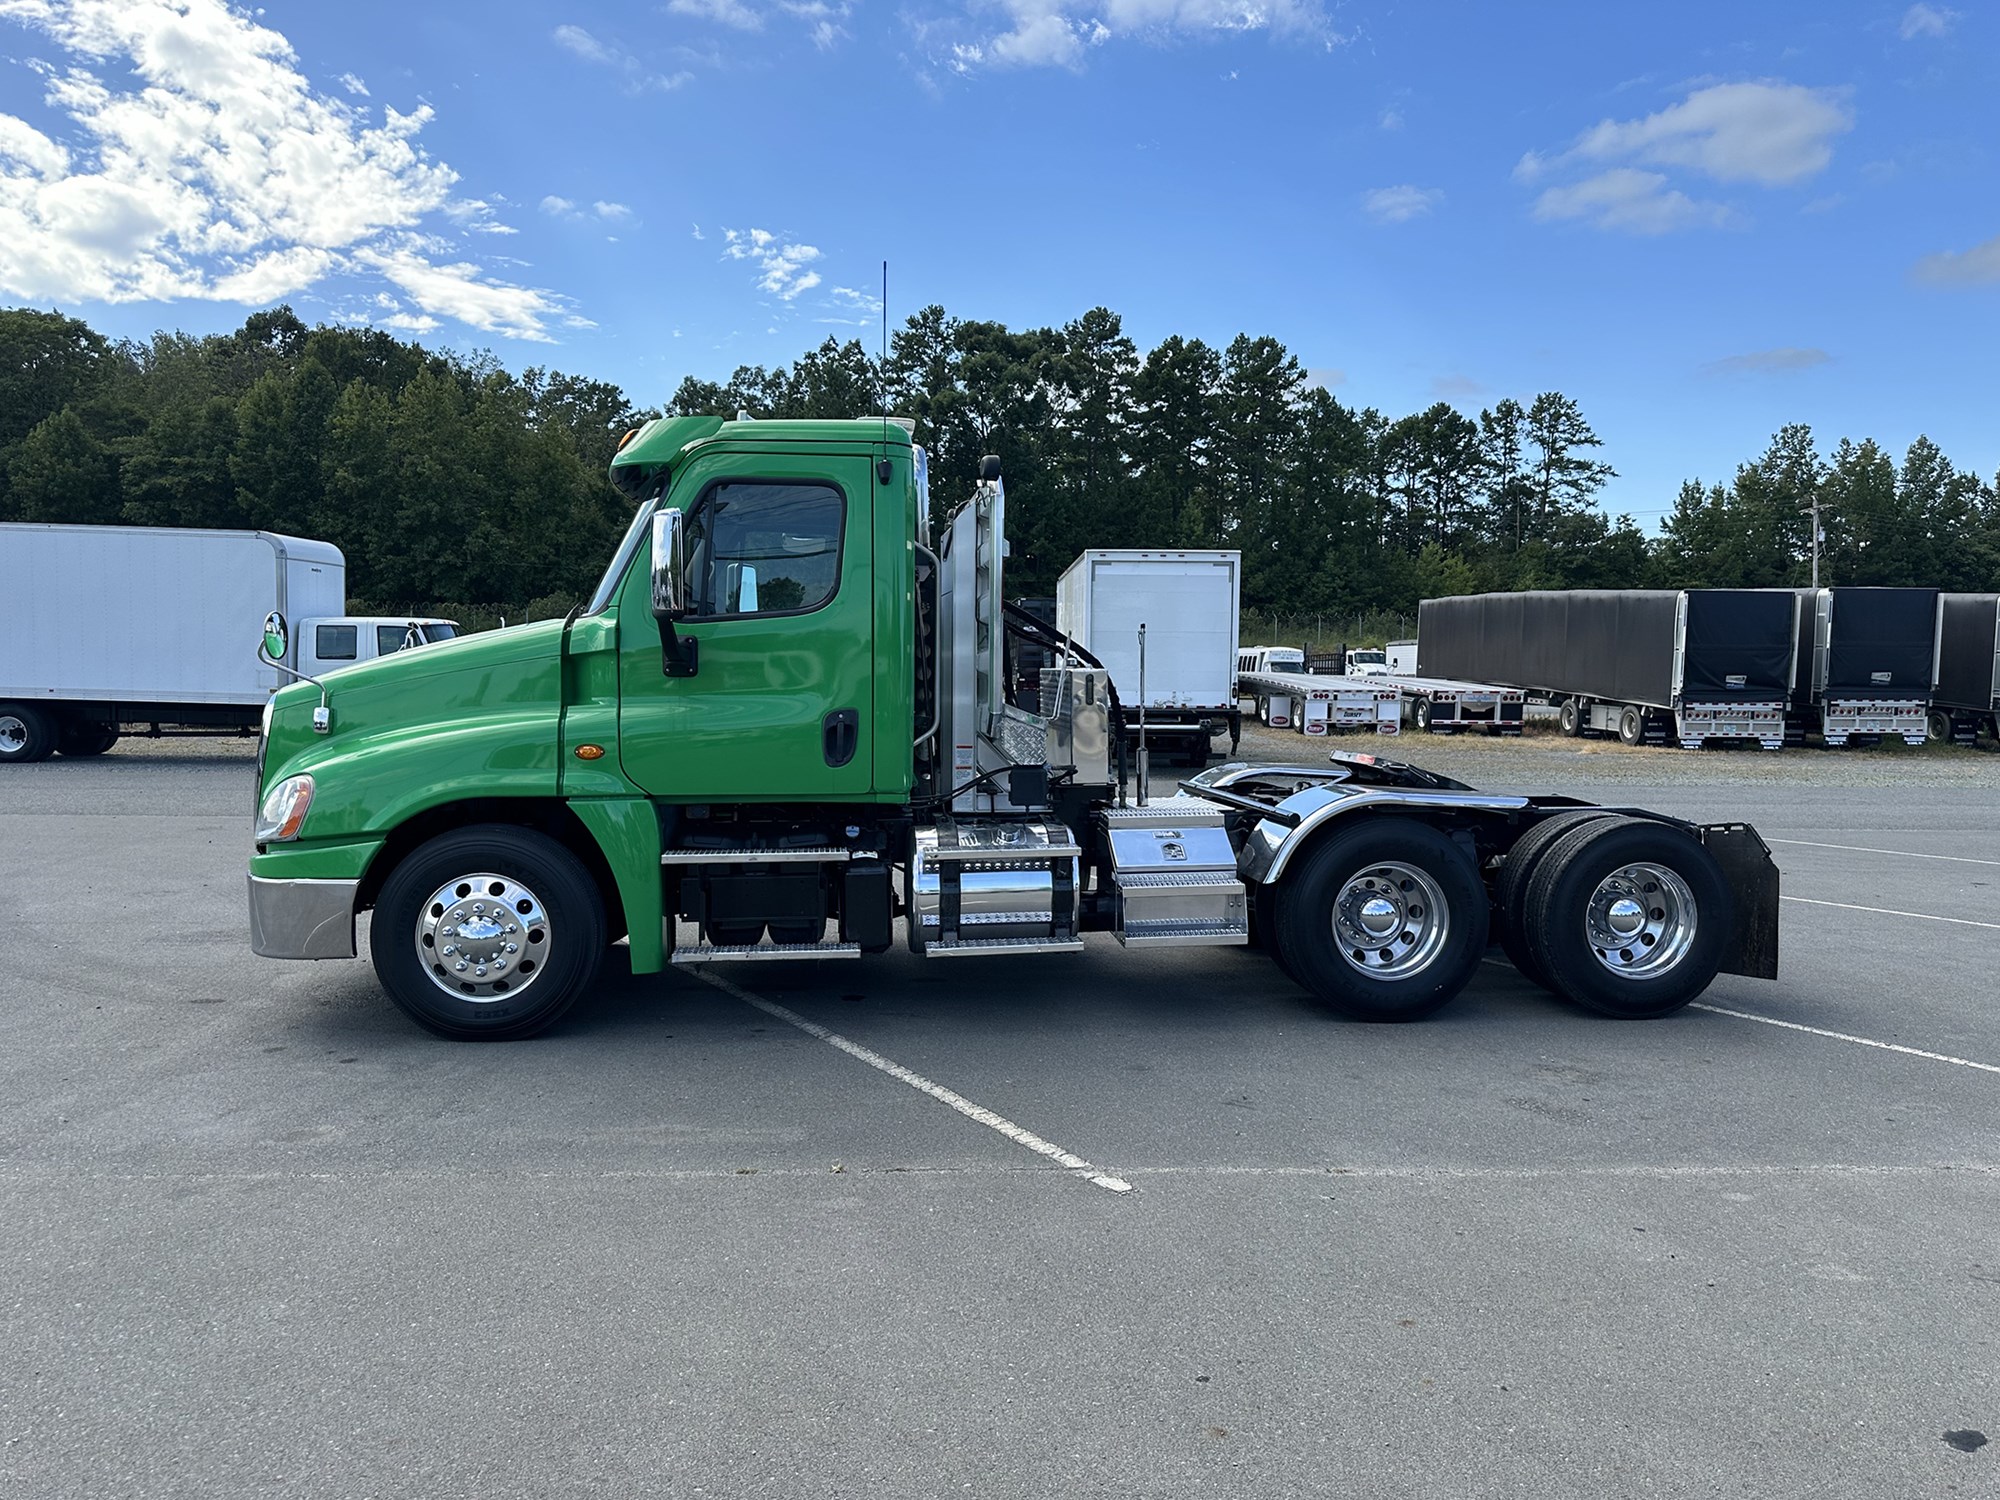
pixel 1390 921
pixel 482 937
pixel 1640 921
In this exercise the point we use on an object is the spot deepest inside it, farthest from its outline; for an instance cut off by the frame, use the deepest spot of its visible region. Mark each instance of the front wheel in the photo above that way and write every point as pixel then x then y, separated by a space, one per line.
pixel 1628 917
pixel 488 933
pixel 1384 922
pixel 27 733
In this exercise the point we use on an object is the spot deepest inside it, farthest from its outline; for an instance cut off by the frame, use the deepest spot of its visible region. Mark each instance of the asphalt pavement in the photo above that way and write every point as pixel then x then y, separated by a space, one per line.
pixel 261 1236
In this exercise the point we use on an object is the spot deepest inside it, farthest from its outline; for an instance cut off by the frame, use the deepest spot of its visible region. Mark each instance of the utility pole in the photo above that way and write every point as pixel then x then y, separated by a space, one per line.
pixel 1813 511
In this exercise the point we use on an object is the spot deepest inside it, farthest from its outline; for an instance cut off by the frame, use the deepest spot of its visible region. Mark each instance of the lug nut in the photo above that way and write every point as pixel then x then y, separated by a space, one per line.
pixel 460 966
pixel 511 948
pixel 449 949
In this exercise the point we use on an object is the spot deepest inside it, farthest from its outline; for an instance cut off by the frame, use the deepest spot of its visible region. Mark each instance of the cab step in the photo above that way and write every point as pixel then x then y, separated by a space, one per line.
pixel 752 953
pixel 968 946
pixel 1184 935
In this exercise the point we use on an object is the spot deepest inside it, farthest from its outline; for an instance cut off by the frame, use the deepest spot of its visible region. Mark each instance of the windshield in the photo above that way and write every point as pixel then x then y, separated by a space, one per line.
pixel 1368 656
pixel 440 630
pixel 622 559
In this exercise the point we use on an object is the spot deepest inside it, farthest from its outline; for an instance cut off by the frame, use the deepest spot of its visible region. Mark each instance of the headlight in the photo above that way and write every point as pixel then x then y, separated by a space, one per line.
pixel 284 810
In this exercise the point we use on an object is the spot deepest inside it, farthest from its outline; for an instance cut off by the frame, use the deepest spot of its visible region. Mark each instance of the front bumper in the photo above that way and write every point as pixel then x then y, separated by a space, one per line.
pixel 302 918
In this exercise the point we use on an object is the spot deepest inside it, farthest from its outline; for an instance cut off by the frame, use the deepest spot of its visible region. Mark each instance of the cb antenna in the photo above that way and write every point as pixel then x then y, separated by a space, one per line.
pixel 882 371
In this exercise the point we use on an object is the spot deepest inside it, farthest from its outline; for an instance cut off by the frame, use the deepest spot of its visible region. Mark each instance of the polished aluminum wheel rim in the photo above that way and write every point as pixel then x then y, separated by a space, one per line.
pixel 1390 921
pixel 13 734
pixel 1641 921
pixel 483 937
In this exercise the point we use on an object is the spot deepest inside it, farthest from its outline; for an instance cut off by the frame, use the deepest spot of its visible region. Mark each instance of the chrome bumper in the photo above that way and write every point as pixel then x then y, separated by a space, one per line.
pixel 302 918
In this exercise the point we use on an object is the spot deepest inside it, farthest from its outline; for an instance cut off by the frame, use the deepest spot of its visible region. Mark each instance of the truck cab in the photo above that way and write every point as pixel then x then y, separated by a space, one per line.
pixel 1367 663
pixel 325 645
pixel 782 729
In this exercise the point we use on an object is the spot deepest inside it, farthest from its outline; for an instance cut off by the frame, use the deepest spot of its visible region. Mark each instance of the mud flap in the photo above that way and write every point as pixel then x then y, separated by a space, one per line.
pixel 1753 878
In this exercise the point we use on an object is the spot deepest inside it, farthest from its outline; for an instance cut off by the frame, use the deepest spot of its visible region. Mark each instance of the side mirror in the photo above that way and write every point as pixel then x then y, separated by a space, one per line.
pixel 670 600
pixel 679 654
pixel 277 640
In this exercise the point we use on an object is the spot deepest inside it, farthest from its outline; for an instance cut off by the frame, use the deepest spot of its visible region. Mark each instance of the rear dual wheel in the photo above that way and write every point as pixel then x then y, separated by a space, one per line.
pixel 1625 916
pixel 27 733
pixel 1384 921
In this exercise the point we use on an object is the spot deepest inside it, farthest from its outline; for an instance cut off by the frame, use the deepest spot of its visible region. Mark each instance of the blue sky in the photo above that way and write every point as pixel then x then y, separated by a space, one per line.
pixel 1700 220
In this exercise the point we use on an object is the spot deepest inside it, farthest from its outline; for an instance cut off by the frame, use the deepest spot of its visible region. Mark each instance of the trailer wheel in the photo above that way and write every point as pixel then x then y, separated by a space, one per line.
pixel 1384 922
pixel 1510 888
pixel 1631 726
pixel 1569 719
pixel 488 934
pixel 1421 715
pixel 1628 917
pixel 27 733
pixel 1937 723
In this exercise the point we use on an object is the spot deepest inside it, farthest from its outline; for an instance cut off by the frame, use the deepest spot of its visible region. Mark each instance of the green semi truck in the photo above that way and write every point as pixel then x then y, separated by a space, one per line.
pixel 781 730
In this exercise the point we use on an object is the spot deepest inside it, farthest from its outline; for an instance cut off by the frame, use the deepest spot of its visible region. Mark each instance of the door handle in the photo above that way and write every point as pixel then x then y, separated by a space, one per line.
pixel 840 733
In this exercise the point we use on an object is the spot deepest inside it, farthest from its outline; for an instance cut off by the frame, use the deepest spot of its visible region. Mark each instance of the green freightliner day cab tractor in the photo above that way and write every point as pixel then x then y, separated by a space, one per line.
pixel 781 727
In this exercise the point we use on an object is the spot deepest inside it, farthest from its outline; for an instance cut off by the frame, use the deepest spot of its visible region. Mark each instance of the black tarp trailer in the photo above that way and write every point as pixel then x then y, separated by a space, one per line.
pixel 1867 664
pixel 1967 699
pixel 1645 664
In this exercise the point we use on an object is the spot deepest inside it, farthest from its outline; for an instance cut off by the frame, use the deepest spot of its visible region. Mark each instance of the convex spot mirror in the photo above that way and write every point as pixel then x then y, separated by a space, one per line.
pixel 277 640
pixel 670 565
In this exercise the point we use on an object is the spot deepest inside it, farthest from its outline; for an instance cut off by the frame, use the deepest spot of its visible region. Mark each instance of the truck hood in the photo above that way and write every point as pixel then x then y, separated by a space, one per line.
pixel 409 727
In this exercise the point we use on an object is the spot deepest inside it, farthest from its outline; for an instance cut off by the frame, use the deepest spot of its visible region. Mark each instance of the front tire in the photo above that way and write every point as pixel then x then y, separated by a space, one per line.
pixel 1628 917
pixel 1385 921
pixel 488 933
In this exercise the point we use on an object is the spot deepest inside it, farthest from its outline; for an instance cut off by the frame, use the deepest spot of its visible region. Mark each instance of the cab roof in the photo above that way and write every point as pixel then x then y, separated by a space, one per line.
pixel 660 443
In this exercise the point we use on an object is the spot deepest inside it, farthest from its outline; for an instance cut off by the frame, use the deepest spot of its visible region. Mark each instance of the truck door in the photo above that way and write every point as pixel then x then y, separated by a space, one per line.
pixel 781 704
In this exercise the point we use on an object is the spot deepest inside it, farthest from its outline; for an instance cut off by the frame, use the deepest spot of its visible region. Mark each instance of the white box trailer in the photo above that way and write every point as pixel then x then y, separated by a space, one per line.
pixel 1188 602
pixel 104 626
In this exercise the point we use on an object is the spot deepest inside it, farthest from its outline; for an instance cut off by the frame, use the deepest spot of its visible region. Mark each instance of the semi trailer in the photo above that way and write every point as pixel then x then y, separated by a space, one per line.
pixel 1967 699
pixel 779 730
pixel 1867 663
pixel 1644 664
pixel 1180 687
pixel 1317 705
pixel 107 629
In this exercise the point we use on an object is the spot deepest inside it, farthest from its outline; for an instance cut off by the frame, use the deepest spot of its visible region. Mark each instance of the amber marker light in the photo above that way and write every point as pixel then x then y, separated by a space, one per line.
pixel 590 752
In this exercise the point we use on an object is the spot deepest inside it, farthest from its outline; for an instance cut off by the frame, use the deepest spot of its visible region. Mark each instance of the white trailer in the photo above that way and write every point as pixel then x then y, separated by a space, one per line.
pixel 1443 705
pixel 1188 604
pixel 107 626
pixel 1321 705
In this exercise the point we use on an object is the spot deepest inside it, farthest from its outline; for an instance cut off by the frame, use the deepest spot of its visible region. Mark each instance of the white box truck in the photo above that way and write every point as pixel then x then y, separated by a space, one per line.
pixel 102 627
pixel 1188 602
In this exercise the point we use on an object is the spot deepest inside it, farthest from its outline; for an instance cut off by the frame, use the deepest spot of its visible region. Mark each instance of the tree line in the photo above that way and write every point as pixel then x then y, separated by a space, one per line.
pixel 454 485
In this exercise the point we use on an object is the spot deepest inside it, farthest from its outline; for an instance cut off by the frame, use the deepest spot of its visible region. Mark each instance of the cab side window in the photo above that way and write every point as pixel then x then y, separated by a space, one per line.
pixel 334 642
pixel 390 638
pixel 764 549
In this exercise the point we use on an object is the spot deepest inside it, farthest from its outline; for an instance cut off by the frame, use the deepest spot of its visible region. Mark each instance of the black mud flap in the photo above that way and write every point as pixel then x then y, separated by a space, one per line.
pixel 1753 877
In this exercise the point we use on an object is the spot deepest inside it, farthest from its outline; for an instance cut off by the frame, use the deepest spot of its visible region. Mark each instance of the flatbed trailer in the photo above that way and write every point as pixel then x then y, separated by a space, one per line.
pixel 1444 705
pixel 1319 705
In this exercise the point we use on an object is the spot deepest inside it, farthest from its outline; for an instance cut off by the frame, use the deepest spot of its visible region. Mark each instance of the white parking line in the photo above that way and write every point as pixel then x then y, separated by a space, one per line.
pixel 917 1081
pixel 1957 859
pixel 1884 911
pixel 1841 1036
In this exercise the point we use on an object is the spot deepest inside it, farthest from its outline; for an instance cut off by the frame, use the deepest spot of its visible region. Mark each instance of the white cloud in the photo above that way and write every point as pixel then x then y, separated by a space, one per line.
pixel 698 234
pixel 1927 21
pixel 1974 267
pixel 605 210
pixel 723 12
pixel 353 85
pixel 637 77
pixel 1768 362
pixel 460 292
pixel 1627 199
pixel 571 212
pixel 859 301
pixel 476 216
pixel 1769 133
pixel 782 265
pixel 216 172
pixel 1390 119
pixel 1400 204
pixel 1057 33
pixel 561 208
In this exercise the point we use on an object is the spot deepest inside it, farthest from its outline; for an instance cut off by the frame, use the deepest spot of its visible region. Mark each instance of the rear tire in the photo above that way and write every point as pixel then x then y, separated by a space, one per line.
pixel 1628 917
pixel 27 734
pixel 1631 726
pixel 1569 719
pixel 1383 922
pixel 1421 714
pixel 1937 724
pixel 543 937
pixel 1510 888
